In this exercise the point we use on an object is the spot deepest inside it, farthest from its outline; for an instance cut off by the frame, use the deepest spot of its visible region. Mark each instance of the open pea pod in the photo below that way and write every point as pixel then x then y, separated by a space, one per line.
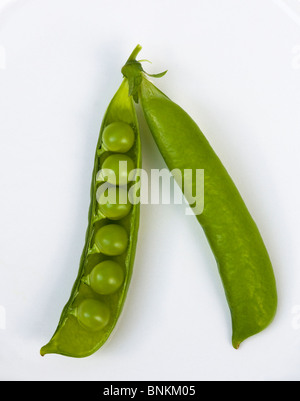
pixel 242 258
pixel 106 265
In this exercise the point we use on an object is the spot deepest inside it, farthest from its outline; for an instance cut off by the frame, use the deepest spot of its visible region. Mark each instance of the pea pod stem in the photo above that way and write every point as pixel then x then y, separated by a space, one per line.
pixel 135 53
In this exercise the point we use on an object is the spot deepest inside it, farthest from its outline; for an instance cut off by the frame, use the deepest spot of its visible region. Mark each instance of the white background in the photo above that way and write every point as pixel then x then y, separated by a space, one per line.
pixel 235 67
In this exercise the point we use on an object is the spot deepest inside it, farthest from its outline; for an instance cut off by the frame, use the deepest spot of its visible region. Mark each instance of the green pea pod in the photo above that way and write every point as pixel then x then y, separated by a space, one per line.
pixel 106 264
pixel 239 250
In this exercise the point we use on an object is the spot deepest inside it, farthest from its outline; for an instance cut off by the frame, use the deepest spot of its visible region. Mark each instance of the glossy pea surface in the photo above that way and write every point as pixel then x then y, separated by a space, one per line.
pixel 116 169
pixel 118 137
pixel 112 240
pixel 93 315
pixel 114 203
pixel 107 277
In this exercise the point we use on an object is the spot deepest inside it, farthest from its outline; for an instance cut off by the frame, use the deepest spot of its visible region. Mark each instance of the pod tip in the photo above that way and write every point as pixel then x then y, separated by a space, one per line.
pixel 236 344
pixel 49 348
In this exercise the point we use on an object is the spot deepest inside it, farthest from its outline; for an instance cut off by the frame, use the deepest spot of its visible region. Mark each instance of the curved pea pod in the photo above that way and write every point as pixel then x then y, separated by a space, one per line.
pixel 243 261
pixel 106 265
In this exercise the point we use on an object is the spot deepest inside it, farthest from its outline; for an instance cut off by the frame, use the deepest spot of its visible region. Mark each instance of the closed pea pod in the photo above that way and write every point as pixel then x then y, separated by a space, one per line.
pixel 106 265
pixel 243 261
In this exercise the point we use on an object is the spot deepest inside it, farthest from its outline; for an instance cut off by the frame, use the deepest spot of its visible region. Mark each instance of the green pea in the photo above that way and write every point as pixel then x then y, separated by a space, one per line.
pixel 111 240
pixel 93 315
pixel 118 137
pixel 114 203
pixel 106 278
pixel 116 169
